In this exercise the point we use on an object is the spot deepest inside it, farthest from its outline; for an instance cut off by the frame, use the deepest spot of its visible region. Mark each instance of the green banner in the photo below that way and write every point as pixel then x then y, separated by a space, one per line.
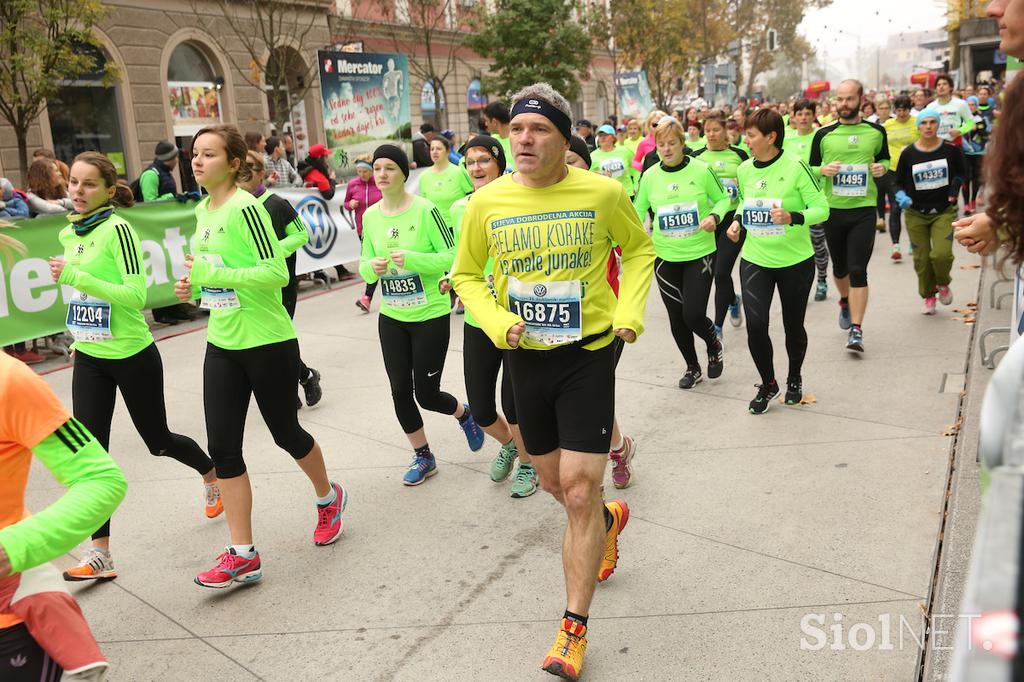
pixel 32 305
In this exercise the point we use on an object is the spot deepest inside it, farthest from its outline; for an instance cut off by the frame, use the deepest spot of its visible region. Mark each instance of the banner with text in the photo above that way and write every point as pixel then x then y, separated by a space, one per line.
pixel 31 305
pixel 365 103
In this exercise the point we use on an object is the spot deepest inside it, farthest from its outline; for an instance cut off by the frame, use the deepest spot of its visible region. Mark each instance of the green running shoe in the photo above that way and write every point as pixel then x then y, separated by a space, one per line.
pixel 525 482
pixel 501 467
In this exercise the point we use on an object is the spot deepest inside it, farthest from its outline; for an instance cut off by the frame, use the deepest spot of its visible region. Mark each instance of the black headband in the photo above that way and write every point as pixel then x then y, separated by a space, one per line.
pixel 548 111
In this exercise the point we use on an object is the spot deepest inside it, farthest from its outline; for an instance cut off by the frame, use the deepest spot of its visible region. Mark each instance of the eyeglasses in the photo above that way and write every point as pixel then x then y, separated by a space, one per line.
pixel 482 162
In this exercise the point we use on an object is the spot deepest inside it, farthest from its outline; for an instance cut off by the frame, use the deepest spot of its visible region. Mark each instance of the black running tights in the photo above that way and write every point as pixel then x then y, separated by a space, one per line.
pixel 794 285
pixel 685 288
pixel 140 378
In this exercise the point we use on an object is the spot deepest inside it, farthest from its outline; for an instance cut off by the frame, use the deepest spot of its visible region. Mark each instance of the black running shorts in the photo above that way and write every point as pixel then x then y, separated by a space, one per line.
pixel 565 397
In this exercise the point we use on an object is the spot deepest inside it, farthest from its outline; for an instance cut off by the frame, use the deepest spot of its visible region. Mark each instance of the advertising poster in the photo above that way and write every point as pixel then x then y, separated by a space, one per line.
pixel 365 103
pixel 193 106
pixel 634 94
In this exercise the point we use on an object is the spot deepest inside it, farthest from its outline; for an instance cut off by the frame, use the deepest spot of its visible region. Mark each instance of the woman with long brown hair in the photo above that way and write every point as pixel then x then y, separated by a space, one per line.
pixel 239 269
pixel 114 349
pixel 46 191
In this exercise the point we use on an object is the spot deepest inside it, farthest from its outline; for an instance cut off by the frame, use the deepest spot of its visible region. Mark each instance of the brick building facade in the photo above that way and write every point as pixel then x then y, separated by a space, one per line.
pixel 180 68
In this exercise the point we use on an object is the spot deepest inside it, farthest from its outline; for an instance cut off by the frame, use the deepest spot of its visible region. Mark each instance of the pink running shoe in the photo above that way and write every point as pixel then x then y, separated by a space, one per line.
pixel 329 523
pixel 231 568
pixel 944 294
pixel 622 471
pixel 363 303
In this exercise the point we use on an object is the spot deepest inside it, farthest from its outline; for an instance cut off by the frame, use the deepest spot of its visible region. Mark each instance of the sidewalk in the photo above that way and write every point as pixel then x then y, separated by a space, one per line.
pixel 740 525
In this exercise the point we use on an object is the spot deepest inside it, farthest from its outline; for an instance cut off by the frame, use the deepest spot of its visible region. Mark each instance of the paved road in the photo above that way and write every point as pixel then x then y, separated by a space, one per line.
pixel 741 525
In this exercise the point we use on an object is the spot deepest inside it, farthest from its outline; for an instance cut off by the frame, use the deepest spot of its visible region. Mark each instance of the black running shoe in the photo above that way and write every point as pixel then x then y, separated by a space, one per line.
pixel 691 378
pixel 766 393
pixel 311 387
pixel 716 360
pixel 794 391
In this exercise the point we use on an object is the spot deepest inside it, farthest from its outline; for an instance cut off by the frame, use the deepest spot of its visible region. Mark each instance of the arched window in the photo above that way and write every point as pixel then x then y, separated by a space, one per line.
pixel 193 90
pixel 85 115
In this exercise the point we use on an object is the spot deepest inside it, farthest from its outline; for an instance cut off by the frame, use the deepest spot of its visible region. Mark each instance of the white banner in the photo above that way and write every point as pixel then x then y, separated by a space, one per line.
pixel 332 230
pixel 332 237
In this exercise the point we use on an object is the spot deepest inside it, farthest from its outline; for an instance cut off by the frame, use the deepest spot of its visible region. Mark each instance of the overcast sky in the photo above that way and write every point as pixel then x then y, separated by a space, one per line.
pixel 836 28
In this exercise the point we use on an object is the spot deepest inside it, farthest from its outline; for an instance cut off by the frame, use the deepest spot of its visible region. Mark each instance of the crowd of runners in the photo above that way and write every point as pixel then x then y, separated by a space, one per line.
pixel 550 240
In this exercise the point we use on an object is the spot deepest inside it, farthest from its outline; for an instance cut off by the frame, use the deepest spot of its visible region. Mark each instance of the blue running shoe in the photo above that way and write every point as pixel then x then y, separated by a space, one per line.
pixel 855 340
pixel 474 434
pixel 420 470
pixel 844 317
pixel 735 312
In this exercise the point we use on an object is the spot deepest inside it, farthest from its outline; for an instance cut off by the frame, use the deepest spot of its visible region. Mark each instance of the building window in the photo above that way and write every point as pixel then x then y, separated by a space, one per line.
pixel 84 116
pixel 193 89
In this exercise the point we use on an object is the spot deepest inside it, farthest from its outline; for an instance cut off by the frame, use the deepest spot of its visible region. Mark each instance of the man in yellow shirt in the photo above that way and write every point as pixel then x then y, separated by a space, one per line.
pixel 549 230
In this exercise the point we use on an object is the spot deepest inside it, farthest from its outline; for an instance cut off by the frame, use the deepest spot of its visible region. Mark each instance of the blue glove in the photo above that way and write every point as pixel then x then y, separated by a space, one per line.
pixel 903 200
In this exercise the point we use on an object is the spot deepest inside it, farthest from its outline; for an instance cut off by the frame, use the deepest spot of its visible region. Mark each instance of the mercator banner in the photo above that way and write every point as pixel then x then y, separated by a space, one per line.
pixel 32 305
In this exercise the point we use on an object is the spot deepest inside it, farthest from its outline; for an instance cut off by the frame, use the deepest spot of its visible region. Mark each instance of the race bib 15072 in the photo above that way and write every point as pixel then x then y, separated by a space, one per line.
pixel 757 218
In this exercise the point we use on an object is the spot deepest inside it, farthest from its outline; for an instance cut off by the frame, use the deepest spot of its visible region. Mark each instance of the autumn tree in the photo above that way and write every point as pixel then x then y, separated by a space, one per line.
pixel 531 41
pixel 669 39
pixel 40 51
pixel 278 38
pixel 751 20
pixel 428 32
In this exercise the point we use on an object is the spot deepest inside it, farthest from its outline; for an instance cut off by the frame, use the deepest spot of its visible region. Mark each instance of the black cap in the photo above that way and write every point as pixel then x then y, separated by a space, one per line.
pixel 584 122
pixel 427 128
pixel 492 146
pixel 579 147
pixel 165 151
pixel 393 153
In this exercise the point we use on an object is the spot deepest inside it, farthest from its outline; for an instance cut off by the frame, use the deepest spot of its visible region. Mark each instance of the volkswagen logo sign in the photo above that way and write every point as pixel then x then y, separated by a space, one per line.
pixel 84 296
pixel 540 291
pixel 323 231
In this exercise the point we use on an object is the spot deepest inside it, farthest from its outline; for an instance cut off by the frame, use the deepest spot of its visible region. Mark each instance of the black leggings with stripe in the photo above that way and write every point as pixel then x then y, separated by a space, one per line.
pixel 685 289
pixel 414 355
pixel 140 378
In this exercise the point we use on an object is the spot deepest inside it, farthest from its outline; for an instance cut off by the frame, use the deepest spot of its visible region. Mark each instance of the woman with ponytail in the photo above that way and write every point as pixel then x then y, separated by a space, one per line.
pixel 238 269
pixel 114 349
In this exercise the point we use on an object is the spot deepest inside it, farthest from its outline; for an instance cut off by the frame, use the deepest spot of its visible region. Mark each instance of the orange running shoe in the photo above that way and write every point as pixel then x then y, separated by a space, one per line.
pixel 214 505
pixel 620 516
pixel 565 658
pixel 95 565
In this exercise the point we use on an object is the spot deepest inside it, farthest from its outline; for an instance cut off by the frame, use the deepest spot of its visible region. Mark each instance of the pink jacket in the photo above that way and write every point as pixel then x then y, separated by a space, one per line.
pixel 643 149
pixel 366 194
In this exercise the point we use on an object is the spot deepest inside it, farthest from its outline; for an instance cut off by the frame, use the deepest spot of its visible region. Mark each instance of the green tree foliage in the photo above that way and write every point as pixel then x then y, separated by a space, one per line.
pixel 39 52
pixel 532 41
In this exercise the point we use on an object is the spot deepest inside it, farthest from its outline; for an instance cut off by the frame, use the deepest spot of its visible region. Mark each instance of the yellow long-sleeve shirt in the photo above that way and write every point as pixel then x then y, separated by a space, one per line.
pixel 550 248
